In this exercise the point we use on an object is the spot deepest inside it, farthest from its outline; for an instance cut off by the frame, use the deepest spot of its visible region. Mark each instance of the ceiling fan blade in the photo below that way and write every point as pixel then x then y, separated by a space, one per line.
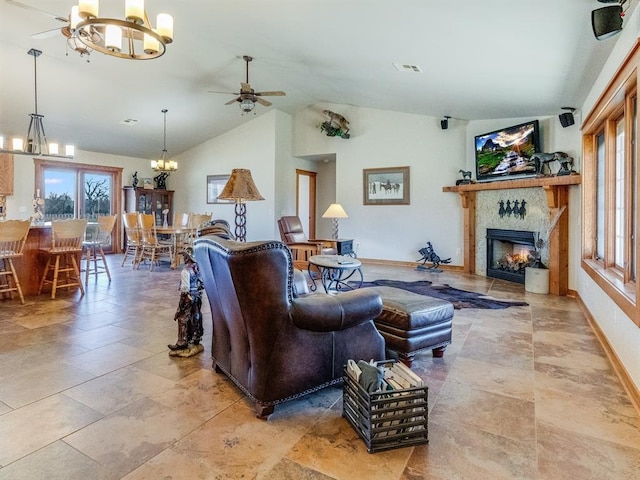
pixel 34 9
pixel 271 94
pixel 262 101
pixel 237 99
pixel 45 34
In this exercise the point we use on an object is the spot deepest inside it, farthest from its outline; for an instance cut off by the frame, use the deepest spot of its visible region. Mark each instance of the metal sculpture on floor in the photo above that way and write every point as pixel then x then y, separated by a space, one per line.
pixel 429 255
pixel 188 315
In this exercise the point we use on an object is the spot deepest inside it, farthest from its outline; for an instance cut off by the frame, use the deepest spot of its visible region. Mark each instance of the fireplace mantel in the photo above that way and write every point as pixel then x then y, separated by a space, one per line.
pixel 557 192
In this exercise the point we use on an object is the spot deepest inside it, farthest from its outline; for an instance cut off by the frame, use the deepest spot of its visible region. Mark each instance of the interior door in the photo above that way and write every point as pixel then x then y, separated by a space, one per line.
pixel 306 201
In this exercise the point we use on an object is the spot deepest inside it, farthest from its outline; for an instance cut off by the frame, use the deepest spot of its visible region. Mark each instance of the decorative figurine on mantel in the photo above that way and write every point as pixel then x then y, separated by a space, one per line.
pixel 335 125
pixel 161 180
pixel 429 255
pixel 543 160
pixel 466 177
pixel 188 315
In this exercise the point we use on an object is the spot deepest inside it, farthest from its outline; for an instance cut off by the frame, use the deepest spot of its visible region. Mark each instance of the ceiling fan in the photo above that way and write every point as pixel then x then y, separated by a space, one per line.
pixel 247 97
pixel 72 40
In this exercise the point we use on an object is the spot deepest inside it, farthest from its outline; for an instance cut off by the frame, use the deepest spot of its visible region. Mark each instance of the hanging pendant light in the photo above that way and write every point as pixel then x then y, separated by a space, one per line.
pixel 164 165
pixel 35 142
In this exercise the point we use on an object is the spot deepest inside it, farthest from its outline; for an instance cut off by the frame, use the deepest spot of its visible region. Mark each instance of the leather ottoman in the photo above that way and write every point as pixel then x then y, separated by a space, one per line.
pixel 410 322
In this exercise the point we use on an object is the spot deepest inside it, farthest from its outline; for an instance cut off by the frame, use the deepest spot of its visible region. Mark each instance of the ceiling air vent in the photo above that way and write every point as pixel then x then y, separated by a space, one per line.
pixel 407 67
pixel 129 121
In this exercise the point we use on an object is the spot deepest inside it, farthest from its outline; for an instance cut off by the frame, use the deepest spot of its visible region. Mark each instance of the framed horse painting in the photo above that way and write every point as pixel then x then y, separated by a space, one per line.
pixel 385 186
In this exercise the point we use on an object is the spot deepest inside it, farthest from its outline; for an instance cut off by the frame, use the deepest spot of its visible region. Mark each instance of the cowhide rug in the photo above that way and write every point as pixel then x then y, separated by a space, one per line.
pixel 459 298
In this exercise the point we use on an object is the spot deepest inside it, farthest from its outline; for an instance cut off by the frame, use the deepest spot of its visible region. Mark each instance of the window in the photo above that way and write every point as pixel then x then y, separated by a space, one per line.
pixel 610 190
pixel 75 190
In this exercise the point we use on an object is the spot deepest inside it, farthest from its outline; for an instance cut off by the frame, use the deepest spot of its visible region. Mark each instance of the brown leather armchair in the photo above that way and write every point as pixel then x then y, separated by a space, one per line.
pixel 302 248
pixel 276 346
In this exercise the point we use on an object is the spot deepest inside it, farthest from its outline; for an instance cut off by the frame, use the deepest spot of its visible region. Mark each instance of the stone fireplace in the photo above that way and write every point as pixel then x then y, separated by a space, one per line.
pixel 547 214
pixel 509 253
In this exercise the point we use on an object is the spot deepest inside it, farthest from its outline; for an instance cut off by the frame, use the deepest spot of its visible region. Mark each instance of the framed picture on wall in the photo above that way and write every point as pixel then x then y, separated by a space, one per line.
pixel 215 184
pixel 385 186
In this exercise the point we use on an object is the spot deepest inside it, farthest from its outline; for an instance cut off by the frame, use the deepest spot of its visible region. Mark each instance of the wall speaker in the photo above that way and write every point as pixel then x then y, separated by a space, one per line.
pixel 606 21
pixel 566 119
pixel 444 124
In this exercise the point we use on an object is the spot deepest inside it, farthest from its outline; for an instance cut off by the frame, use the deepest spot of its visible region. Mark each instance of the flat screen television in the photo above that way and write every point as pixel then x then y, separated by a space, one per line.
pixel 506 153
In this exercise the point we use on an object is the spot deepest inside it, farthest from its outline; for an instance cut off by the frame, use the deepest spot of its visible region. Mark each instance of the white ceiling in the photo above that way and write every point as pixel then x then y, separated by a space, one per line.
pixel 480 59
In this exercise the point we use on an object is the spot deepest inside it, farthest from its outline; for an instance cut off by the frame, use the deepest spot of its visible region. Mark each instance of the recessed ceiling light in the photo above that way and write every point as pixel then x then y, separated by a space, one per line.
pixel 129 121
pixel 407 67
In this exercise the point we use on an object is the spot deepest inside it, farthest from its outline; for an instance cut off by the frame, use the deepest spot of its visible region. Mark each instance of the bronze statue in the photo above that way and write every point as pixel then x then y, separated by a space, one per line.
pixel 429 255
pixel 188 314
pixel 161 180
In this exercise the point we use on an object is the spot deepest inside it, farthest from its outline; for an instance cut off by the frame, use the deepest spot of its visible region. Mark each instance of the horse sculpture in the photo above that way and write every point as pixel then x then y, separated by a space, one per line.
pixel 429 255
pixel 543 160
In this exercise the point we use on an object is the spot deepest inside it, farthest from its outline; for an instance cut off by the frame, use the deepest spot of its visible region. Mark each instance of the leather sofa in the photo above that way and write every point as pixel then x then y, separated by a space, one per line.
pixel 274 345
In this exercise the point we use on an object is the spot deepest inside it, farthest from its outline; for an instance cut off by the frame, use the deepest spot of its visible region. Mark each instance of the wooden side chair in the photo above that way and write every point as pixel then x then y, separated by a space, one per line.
pixel 66 247
pixel 151 248
pixel 94 244
pixel 13 235
pixel 132 232
pixel 181 219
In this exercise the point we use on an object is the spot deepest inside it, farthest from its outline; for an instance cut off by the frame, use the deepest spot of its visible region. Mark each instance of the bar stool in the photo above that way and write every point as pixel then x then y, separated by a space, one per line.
pixel 66 248
pixel 13 235
pixel 99 238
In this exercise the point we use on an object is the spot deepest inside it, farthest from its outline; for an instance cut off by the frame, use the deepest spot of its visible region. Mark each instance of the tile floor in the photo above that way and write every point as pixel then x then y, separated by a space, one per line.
pixel 87 391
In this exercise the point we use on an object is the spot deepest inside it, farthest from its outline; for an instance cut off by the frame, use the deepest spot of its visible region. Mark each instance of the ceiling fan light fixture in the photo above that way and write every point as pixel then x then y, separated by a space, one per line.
pixel 247 105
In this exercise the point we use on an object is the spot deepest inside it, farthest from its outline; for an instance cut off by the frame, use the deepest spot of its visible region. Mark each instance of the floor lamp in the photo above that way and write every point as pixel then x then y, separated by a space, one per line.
pixel 240 188
pixel 335 211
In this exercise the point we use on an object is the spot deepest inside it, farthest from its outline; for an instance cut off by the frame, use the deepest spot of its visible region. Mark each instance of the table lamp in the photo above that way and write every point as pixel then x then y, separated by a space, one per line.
pixel 240 188
pixel 335 211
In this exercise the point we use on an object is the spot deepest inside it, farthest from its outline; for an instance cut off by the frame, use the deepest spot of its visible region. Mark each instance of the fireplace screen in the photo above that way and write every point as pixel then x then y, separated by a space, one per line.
pixel 509 252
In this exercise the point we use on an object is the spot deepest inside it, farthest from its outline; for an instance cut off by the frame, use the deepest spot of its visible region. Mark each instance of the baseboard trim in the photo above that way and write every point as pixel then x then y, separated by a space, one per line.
pixel 399 263
pixel 627 383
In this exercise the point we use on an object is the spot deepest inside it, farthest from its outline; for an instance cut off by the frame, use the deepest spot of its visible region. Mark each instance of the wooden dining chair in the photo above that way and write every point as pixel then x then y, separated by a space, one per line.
pixel 94 244
pixel 132 232
pixel 151 248
pixel 66 247
pixel 13 235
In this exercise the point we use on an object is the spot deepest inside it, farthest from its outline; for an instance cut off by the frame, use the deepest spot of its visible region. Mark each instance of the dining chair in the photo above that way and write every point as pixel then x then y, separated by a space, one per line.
pixel 94 244
pixel 13 235
pixel 151 248
pixel 181 219
pixel 132 232
pixel 66 247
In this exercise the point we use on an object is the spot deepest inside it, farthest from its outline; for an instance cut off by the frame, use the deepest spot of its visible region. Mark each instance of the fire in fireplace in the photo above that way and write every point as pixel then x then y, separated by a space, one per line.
pixel 508 253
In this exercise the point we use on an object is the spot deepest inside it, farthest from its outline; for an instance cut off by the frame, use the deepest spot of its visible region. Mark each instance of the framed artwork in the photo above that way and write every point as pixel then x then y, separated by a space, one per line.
pixel 215 184
pixel 147 183
pixel 385 186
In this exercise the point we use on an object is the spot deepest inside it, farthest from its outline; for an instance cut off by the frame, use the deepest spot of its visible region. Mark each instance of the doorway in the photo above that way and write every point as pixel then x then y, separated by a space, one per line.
pixel 306 200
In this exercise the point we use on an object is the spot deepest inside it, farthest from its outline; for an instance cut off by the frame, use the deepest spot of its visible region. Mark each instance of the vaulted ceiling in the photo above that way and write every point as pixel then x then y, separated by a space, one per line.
pixel 479 59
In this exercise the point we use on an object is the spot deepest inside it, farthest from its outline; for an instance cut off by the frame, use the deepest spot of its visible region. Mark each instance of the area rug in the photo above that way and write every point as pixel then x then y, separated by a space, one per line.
pixel 459 298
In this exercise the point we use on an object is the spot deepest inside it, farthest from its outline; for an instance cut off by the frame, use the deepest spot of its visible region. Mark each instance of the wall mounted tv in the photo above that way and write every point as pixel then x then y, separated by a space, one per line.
pixel 505 154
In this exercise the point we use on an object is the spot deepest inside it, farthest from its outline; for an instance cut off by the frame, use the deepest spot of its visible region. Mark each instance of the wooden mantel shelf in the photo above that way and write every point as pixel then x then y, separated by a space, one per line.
pixel 557 191
pixel 550 181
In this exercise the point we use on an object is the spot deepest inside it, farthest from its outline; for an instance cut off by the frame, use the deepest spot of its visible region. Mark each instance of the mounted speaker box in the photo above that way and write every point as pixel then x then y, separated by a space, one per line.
pixel 566 119
pixel 606 21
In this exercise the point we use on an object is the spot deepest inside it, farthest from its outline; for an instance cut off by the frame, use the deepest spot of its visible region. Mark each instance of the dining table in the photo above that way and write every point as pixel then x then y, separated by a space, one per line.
pixel 178 236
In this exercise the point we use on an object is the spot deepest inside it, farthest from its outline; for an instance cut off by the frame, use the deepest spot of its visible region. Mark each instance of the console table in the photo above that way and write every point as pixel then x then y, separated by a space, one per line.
pixel 557 190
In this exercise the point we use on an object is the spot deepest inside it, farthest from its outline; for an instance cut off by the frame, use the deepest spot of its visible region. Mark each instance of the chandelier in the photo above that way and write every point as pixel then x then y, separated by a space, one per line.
pixel 35 142
pixel 131 38
pixel 164 165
